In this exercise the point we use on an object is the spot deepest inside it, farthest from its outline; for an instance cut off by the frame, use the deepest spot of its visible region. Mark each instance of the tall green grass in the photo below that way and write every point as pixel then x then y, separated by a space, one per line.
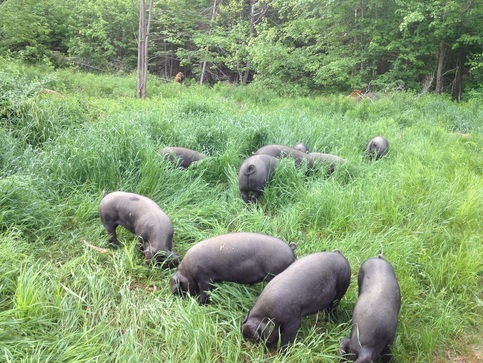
pixel 61 301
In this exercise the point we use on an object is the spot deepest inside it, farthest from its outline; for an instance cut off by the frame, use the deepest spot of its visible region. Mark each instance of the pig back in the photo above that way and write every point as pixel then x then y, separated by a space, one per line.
pixel 379 301
pixel 312 282
pixel 242 257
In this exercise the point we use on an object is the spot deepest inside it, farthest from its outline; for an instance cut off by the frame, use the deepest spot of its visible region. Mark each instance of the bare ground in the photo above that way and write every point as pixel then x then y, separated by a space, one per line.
pixel 468 351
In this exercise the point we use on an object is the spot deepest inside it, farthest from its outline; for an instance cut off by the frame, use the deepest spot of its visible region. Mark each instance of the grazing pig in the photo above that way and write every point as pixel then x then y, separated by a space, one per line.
pixel 143 217
pixel 327 159
pixel 377 147
pixel 302 147
pixel 312 283
pixel 241 257
pixel 181 156
pixel 254 173
pixel 278 151
pixel 374 320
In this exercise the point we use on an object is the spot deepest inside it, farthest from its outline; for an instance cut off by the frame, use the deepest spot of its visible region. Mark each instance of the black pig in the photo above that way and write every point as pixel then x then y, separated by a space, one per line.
pixel 143 217
pixel 181 156
pixel 311 284
pixel 377 147
pixel 254 174
pixel 374 320
pixel 241 257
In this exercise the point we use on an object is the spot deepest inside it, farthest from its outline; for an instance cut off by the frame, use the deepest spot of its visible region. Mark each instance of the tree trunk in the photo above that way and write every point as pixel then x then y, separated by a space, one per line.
pixel 143 48
pixel 252 34
pixel 439 72
pixel 457 89
pixel 141 86
pixel 203 67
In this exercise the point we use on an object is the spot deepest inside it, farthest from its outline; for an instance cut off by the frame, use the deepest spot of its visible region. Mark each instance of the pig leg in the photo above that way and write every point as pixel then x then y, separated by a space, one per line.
pixel 365 356
pixel 289 332
pixel 111 231
pixel 255 196
pixel 244 195
pixel 386 355
pixel 331 313
pixel 330 310
pixel 203 288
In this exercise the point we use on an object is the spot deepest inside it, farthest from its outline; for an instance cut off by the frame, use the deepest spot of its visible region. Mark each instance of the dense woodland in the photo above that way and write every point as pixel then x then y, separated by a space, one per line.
pixel 294 46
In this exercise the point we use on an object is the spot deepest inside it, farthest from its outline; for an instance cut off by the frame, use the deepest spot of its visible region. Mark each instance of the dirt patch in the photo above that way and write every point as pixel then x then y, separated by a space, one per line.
pixel 474 354
pixel 464 354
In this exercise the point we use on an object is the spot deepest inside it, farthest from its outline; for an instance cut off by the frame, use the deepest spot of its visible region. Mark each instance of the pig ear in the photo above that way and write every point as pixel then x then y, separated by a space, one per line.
pixel 179 283
pixel 269 331
pixel 176 287
pixel 250 331
pixel 168 259
pixel 246 317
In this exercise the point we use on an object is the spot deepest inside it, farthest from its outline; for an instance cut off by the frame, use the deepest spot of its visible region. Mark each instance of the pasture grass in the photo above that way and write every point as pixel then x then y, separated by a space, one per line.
pixel 61 301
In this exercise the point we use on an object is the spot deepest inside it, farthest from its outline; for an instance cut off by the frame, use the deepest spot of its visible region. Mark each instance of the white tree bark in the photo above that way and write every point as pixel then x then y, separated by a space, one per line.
pixel 203 66
pixel 144 27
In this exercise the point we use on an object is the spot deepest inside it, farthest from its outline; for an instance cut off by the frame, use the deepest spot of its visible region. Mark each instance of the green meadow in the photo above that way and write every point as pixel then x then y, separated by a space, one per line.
pixel 61 300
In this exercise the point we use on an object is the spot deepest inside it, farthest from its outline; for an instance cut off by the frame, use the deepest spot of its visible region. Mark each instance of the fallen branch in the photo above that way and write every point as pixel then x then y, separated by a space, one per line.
pixel 95 248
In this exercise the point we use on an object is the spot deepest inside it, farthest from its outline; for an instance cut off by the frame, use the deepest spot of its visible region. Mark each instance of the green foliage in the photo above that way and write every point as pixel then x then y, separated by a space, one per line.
pixel 104 35
pixel 61 300
pixel 19 85
pixel 39 34
pixel 293 47
pixel 96 35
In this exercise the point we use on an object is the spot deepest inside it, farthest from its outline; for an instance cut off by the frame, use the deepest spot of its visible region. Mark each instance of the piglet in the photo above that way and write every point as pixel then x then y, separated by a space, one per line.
pixel 143 217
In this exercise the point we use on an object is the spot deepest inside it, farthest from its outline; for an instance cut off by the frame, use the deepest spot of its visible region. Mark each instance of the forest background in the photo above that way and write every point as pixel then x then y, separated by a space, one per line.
pixel 293 46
